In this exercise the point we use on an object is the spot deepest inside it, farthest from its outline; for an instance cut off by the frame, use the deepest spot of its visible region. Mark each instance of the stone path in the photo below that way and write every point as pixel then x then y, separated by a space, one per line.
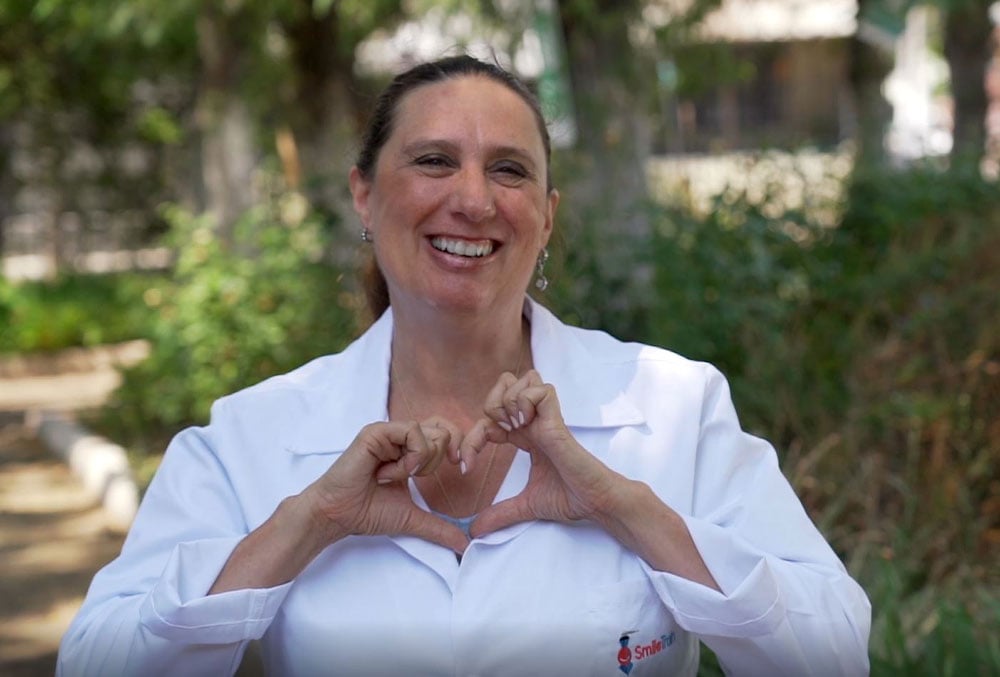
pixel 52 541
pixel 53 534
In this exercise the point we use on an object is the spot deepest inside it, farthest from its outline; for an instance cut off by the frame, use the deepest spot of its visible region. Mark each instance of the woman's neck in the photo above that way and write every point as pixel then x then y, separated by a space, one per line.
pixel 437 359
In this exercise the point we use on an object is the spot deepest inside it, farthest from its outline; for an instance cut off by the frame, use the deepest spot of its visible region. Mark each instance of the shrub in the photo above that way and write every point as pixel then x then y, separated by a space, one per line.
pixel 73 310
pixel 733 287
pixel 870 354
pixel 234 314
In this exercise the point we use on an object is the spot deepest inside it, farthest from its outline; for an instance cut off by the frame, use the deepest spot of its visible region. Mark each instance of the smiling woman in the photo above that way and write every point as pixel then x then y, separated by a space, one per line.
pixel 457 203
pixel 472 487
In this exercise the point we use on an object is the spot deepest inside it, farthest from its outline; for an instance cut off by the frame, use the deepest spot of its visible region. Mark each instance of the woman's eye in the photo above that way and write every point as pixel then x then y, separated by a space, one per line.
pixel 512 169
pixel 433 161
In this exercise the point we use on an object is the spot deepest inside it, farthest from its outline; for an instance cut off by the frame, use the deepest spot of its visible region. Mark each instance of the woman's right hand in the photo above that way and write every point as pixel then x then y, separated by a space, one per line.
pixel 365 491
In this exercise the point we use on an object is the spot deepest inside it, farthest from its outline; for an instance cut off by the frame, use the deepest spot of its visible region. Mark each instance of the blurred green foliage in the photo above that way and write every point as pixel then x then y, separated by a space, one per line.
pixel 231 316
pixel 869 353
pixel 73 310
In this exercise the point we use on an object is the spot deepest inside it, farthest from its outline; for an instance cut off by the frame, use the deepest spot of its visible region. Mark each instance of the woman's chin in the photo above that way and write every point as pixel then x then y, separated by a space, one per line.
pixel 466 299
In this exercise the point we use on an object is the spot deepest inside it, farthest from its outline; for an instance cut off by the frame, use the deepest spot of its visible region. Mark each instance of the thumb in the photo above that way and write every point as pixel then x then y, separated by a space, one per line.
pixel 432 528
pixel 502 515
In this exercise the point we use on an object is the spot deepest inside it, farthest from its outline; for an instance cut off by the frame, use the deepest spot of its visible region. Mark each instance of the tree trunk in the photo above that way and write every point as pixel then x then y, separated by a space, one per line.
pixel 228 157
pixel 324 110
pixel 967 47
pixel 605 209
pixel 612 129
pixel 870 66
pixel 8 185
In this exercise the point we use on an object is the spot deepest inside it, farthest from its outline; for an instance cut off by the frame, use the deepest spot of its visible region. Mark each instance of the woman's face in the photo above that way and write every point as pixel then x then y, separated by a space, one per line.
pixel 458 206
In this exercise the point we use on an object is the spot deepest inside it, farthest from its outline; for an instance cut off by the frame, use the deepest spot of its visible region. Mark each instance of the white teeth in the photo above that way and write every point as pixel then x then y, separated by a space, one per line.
pixel 461 247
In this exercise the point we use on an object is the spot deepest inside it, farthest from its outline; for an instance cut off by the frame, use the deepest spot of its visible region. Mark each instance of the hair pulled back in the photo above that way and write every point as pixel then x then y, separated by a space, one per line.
pixel 383 118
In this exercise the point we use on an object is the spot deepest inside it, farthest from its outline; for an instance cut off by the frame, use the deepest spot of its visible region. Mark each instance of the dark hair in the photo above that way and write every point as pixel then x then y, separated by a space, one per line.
pixel 380 127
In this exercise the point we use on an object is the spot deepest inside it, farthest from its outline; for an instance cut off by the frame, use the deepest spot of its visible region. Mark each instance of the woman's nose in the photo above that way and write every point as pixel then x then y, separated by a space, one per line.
pixel 474 196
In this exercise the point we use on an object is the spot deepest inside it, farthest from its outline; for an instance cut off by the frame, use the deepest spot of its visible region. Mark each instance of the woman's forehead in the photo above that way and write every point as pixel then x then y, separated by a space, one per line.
pixel 455 108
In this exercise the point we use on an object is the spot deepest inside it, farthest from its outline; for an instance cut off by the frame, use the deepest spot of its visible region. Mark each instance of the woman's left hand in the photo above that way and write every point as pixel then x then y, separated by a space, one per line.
pixel 566 482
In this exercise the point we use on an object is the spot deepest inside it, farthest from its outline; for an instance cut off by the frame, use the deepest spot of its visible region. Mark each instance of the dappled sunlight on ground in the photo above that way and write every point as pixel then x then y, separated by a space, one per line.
pixel 52 541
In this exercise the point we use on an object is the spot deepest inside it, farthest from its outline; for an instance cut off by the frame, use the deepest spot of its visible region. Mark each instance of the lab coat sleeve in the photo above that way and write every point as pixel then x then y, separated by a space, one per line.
pixel 148 611
pixel 787 605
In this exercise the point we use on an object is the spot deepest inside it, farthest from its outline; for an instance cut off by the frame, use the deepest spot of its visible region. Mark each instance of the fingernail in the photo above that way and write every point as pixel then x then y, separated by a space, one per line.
pixel 520 416
pixel 504 425
pixel 384 480
pixel 462 467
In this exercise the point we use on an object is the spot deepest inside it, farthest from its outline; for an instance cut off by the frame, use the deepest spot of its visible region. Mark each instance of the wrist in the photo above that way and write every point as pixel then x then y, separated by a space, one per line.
pixel 644 524
pixel 623 506
pixel 305 516
pixel 277 551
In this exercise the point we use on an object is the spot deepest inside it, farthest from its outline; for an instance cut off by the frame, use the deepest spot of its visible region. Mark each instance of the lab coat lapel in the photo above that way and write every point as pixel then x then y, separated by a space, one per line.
pixel 591 390
pixel 354 395
pixel 441 560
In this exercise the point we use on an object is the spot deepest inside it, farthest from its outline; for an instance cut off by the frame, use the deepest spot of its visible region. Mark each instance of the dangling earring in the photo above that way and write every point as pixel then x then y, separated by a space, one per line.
pixel 542 283
pixel 366 235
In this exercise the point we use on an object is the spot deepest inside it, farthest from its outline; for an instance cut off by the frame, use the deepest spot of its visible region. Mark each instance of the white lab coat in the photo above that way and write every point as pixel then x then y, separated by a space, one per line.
pixel 534 599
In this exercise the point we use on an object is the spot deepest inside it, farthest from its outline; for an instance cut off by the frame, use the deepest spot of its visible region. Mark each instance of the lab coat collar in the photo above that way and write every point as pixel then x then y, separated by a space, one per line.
pixel 354 393
pixel 591 387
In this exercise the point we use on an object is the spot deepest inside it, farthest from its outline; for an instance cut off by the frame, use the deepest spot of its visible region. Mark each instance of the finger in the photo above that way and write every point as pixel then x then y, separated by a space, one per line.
pixel 528 401
pixel 548 404
pixel 399 449
pixel 528 396
pixel 422 453
pixel 510 397
pixel 387 441
pixel 502 515
pixel 438 442
pixel 480 434
pixel 513 397
pixel 494 405
pixel 431 528
pixel 391 472
pixel 531 378
pixel 454 433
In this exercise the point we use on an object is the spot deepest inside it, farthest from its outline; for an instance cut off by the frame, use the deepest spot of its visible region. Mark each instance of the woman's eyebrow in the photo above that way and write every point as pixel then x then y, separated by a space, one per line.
pixel 516 152
pixel 419 146
pixel 424 145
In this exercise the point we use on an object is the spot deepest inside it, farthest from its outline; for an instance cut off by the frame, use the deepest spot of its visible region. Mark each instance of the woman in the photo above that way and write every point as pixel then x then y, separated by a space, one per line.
pixel 472 487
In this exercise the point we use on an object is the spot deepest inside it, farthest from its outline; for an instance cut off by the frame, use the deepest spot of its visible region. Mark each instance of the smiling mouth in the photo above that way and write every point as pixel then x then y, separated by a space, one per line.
pixel 463 247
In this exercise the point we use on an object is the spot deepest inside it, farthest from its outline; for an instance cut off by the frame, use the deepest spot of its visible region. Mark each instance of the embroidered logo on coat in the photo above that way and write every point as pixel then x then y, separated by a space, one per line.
pixel 627 656
pixel 624 653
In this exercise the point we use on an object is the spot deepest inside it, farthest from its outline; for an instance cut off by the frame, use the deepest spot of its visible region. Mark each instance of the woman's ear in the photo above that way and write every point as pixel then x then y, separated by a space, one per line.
pixel 360 190
pixel 552 202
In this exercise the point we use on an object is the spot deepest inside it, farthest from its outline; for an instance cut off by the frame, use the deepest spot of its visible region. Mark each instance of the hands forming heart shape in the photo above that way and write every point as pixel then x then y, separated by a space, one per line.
pixel 365 492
